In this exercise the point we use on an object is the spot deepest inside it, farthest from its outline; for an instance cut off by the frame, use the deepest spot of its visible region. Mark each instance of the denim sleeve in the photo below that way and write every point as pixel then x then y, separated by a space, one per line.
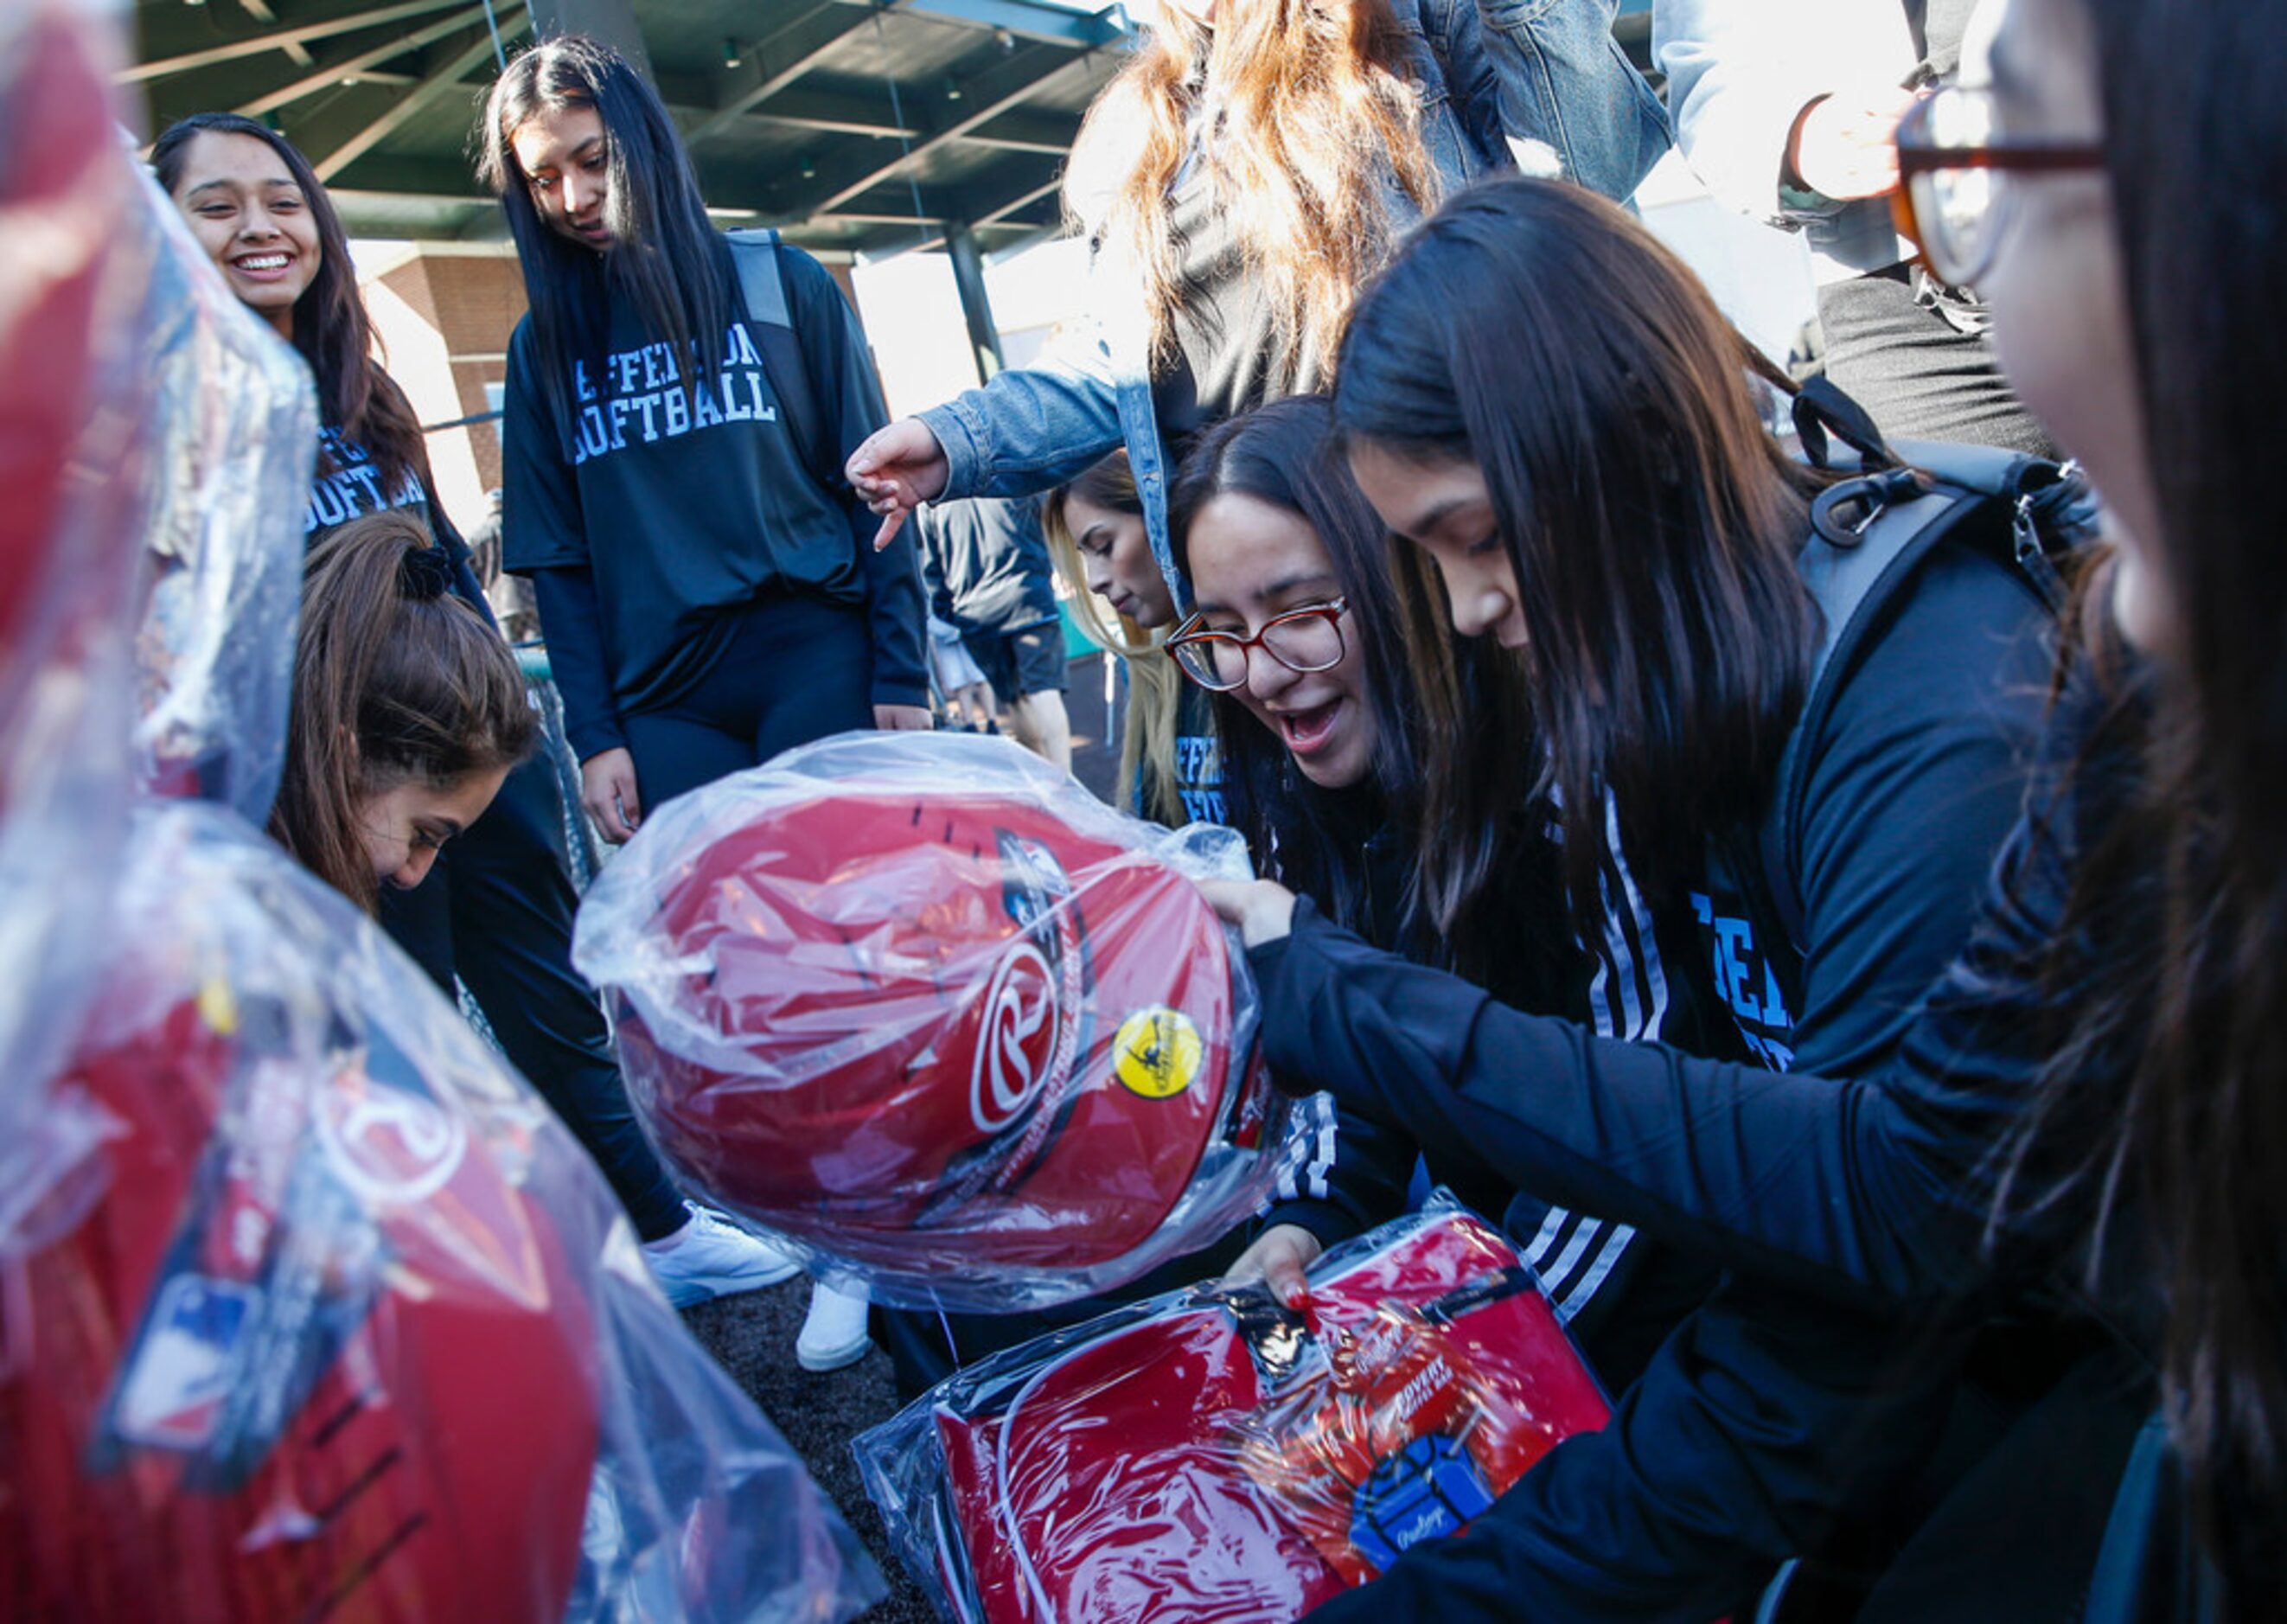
pixel 1570 102
pixel 1738 76
pixel 1032 427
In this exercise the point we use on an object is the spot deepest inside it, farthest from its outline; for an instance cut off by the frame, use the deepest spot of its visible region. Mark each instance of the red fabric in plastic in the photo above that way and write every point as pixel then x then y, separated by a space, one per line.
pixel 1157 1472
pixel 436 1466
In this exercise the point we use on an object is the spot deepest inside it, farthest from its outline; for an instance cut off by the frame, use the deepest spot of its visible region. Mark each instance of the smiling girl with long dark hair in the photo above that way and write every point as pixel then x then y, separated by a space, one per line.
pixel 495 912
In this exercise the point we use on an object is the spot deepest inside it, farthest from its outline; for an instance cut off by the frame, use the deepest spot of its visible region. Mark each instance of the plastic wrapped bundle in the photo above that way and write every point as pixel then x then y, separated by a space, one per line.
pixel 72 451
pixel 1211 1456
pixel 923 1005
pixel 234 434
pixel 337 1321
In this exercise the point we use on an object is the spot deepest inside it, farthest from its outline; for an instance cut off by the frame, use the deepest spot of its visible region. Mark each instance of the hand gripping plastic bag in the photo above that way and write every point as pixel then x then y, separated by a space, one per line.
pixel 73 444
pixel 924 1006
pixel 337 1321
pixel 1211 1456
pixel 235 431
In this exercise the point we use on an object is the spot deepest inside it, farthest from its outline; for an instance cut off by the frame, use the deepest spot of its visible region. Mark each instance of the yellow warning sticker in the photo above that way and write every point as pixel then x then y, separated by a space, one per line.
pixel 1157 1052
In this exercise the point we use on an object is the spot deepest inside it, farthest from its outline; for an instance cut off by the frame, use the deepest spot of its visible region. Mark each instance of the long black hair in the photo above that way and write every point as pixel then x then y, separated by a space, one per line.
pixel 1284 454
pixel 2194 1144
pixel 666 259
pixel 330 327
pixel 1543 335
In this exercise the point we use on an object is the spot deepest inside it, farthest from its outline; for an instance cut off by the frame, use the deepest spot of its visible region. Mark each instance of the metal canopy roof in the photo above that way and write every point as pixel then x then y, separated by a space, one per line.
pixel 855 125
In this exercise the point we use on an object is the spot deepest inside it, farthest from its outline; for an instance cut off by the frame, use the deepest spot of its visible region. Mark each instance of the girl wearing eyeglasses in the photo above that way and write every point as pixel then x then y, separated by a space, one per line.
pixel 1546 406
pixel 1300 637
pixel 2088 1109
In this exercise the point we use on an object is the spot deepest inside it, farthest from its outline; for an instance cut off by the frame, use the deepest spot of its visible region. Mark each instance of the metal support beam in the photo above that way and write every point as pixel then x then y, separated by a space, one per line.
pixel 772 64
pixel 354 64
pixel 975 309
pixel 296 54
pixel 445 80
pixel 1014 205
pixel 1023 130
pixel 611 21
pixel 1027 19
pixel 690 97
pixel 337 17
pixel 1006 84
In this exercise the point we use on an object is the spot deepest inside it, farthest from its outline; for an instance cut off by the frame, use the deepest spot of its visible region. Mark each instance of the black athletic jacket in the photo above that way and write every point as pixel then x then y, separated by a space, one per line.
pixel 1800 1389
pixel 688 500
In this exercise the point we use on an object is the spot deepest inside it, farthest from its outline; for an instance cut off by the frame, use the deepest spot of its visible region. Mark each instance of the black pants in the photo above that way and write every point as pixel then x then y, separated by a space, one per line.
pixel 794 669
pixel 497 908
pixel 1908 360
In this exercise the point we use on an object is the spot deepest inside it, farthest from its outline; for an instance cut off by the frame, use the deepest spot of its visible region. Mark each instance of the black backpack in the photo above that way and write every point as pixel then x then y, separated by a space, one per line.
pixel 1871 537
pixel 757 255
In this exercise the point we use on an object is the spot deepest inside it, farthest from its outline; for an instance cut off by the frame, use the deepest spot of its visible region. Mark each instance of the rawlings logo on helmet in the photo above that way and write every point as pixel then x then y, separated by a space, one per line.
pixel 1023 1022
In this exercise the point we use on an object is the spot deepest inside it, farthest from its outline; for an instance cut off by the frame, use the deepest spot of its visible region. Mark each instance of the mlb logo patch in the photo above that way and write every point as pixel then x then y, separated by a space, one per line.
pixel 1426 1491
pixel 176 1384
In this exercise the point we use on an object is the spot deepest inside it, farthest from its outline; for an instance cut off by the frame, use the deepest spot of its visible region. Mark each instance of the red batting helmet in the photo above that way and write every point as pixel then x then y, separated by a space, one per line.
pixel 936 1031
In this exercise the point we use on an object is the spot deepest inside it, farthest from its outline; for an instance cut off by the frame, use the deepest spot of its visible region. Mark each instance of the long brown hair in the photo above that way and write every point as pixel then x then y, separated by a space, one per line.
pixel 2185 1001
pixel 395 681
pixel 1311 113
pixel 1155 688
pixel 330 326
pixel 1652 521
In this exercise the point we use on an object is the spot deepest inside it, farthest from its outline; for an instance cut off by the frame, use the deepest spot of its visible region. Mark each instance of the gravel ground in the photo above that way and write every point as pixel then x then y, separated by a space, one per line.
pixel 753 1336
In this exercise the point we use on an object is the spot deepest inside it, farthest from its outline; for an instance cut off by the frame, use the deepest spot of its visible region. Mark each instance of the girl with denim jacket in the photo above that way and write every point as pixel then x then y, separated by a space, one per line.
pixel 1238 183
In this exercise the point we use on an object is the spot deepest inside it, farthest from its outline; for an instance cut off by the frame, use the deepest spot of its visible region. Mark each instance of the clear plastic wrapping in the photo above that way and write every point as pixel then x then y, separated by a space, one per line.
pixel 334 1319
pixel 73 443
pixel 234 432
pixel 924 1006
pixel 1212 1456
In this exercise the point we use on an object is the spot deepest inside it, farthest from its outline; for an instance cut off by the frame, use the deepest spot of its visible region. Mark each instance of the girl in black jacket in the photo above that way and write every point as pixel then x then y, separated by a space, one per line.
pixel 2096 1082
pixel 1300 638
pixel 1537 391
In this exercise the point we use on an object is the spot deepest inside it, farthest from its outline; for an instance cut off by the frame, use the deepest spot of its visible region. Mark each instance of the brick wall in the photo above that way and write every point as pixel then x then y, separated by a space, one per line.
pixel 444 313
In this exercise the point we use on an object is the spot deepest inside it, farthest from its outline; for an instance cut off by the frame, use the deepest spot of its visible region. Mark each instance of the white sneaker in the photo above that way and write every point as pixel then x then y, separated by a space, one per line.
pixel 834 1333
pixel 710 1257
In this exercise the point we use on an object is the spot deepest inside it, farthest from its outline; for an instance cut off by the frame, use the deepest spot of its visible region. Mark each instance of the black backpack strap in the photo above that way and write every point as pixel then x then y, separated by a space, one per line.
pixel 762 286
pixel 1821 409
pixel 1870 537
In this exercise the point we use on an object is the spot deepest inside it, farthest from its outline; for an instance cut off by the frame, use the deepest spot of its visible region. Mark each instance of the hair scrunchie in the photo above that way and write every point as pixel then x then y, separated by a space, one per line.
pixel 424 572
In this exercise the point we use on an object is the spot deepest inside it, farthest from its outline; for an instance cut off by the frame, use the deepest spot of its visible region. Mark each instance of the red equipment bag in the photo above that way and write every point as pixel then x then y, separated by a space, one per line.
pixel 1211 1456
pixel 926 1008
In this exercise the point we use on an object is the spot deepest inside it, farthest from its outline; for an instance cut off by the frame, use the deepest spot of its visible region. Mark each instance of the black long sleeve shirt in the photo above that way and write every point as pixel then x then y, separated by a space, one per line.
pixel 685 501
pixel 1771 1410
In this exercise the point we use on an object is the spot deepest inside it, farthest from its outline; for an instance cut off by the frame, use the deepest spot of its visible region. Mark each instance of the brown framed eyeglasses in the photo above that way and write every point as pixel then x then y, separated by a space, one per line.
pixel 1303 640
pixel 1952 198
